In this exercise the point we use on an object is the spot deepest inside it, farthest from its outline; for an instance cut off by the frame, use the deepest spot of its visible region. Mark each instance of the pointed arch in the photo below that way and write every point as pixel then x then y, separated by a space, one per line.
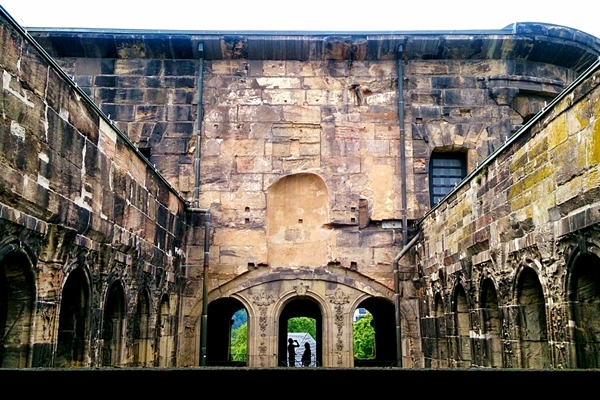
pixel 113 325
pixel 531 320
pixel 491 325
pixel 142 355
pixel 462 327
pixel 17 303
pixel 583 294
pixel 73 322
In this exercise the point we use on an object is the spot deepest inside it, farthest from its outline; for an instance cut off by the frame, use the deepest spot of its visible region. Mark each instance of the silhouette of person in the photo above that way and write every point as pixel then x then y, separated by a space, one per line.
pixel 306 356
pixel 292 352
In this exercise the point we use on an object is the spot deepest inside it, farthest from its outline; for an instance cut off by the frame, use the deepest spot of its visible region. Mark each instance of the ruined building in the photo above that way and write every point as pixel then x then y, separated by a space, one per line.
pixel 154 183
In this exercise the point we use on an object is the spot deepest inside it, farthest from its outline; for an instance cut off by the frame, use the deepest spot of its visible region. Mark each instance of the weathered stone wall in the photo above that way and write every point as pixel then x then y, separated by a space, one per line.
pixel 510 258
pixel 85 221
pixel 152 100
pixel 469 106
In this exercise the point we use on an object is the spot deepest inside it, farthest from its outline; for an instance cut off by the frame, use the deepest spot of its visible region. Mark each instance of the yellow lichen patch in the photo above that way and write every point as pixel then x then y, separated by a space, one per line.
pixel 557 132
pixel 593 150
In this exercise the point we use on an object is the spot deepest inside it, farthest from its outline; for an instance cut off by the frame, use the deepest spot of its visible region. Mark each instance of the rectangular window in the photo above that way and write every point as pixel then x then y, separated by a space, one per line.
pixel 446 170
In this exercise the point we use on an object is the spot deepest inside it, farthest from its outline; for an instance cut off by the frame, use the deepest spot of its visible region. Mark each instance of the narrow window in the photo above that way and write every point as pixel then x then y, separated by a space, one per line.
pixel 446 170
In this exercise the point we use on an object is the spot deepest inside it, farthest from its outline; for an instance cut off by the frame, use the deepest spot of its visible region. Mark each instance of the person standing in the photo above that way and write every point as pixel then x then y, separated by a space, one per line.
pixel 292 352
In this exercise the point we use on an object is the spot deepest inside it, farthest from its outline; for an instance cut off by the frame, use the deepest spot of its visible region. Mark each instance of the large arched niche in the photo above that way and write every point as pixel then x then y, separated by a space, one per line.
pixel 531 320
pixel 73 323
pixel 297 210
pixel 17 299
pixel 583 293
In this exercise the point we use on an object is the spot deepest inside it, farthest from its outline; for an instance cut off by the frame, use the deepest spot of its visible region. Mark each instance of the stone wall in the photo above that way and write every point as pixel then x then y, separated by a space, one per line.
pixel 91 236
pixel 510 257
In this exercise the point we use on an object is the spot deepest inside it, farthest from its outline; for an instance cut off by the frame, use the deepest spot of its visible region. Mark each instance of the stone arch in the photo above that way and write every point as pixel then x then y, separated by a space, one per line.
pixel 74 319
pixel 491 324
pixel 439 352
pixel 113 322
pixel 219 321
pixel 583 296
pixel 384 326
pixel 164 333
pixel 531 319
pixel 462 327
pixel 17 304
pixel 292 305
pixel 142 349
pixel 297 212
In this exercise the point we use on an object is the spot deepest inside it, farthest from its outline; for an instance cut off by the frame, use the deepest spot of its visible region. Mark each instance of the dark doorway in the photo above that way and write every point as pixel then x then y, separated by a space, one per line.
pixel 584 296
pixel 112 329
pixel 17 295
pixel 218 340
pixel 384 338
pixel 533 340
pixel 73 321
pixel 300 307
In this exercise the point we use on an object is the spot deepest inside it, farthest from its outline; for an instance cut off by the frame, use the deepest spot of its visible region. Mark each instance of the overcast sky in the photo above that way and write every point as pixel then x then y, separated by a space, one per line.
pixel 306 15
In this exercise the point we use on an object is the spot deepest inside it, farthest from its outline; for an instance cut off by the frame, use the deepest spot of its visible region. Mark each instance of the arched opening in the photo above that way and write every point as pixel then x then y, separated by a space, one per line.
pixel 164 334
pixel 290 354
pixel 73 321
pixel 462 326
pixel 491 325
pixel 381 320
pixel 585 307
pixel 141 332
pixel 440 352
pixel 218 338
pixel 297 211
pixel 532 321
pixel 112 328
pixel 17 296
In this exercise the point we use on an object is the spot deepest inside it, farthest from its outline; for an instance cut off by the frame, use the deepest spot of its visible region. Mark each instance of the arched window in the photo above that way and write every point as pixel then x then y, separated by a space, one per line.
pixel 446 170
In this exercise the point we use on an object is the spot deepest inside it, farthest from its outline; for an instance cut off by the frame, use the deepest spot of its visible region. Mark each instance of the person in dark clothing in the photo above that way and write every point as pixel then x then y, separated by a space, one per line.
pixel 292 352
pixel 306 356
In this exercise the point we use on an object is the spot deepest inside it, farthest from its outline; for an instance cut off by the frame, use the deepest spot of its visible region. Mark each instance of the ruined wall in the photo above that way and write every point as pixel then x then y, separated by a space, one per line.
pixel 90 234
pixel 510 258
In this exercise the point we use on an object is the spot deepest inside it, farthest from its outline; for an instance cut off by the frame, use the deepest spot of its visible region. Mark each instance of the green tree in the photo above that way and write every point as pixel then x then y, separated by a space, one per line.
pixel 303 324
pixel 364 338
pixel 239 341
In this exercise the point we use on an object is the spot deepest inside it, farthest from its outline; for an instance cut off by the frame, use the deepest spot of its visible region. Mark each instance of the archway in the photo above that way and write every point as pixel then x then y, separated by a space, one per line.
pixel 532 321
pixel 112 329
pixel 163 334
pixel 141 331
pixel 584 295
pixel 73 321
pixel 218 340
pixel 384 338
pixel 440 352
pixel 462 326
pixel 491 327
pixel 17 296
pixel 300 307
